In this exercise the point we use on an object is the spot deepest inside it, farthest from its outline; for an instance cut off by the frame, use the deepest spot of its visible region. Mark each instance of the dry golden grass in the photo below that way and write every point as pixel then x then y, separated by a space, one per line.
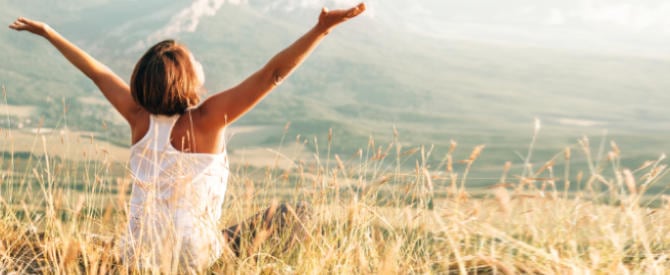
pixel 372 214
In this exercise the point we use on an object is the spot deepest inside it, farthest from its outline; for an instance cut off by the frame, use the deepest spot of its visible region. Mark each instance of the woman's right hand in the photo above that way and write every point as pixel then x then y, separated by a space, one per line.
pixel 330 19
pixel 25 24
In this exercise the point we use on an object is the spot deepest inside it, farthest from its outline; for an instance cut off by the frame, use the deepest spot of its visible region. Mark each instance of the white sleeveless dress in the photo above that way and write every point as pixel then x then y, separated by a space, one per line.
pixel 175 203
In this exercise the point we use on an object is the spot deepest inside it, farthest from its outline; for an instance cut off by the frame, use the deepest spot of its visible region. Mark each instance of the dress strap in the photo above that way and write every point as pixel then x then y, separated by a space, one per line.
pixel 160 127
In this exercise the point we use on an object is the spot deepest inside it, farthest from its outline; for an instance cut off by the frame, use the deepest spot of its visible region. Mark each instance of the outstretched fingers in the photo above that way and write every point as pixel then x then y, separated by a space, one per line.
pixel 20 23
pixel 344 13
pixel 25 24
pixel 355 11
pixel 16 25
pixel 332 18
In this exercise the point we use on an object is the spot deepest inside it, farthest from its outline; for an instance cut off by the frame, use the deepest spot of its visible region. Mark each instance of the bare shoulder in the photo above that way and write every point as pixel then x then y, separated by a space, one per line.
pixel 139 125
pixel 193 133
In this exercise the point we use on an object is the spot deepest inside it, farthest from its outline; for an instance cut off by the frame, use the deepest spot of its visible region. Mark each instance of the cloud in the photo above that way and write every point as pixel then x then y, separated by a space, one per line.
pixel 186 20
pixel 615 16
pixel 556 17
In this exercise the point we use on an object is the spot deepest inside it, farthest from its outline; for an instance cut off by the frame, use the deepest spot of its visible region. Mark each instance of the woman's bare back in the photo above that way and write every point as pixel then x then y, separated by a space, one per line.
pixel 188 134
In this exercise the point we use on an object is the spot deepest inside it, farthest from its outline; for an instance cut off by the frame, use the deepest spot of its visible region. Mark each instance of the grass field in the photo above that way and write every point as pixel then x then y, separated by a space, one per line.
pixel 371 214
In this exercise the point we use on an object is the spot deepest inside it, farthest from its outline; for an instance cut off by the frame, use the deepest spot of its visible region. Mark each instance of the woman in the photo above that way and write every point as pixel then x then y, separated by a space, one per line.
pixel 178 159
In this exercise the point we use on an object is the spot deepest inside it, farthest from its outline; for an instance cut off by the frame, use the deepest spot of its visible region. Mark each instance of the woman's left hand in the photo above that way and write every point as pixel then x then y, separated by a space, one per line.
pixel 25 24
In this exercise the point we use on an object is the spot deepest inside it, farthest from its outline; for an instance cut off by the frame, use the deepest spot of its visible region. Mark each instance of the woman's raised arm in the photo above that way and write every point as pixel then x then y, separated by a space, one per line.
pixel 111 85
pixel 225 107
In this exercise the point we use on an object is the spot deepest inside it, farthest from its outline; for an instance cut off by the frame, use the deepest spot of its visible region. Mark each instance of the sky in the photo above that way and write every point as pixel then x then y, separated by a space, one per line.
pixel 624 26
pixel 632 27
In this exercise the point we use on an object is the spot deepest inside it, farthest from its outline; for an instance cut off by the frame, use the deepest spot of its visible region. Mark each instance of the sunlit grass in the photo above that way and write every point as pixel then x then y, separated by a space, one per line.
pixel 383 209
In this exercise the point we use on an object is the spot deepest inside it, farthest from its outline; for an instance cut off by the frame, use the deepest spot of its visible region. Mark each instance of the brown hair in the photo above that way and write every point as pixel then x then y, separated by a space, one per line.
pixel 164 81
